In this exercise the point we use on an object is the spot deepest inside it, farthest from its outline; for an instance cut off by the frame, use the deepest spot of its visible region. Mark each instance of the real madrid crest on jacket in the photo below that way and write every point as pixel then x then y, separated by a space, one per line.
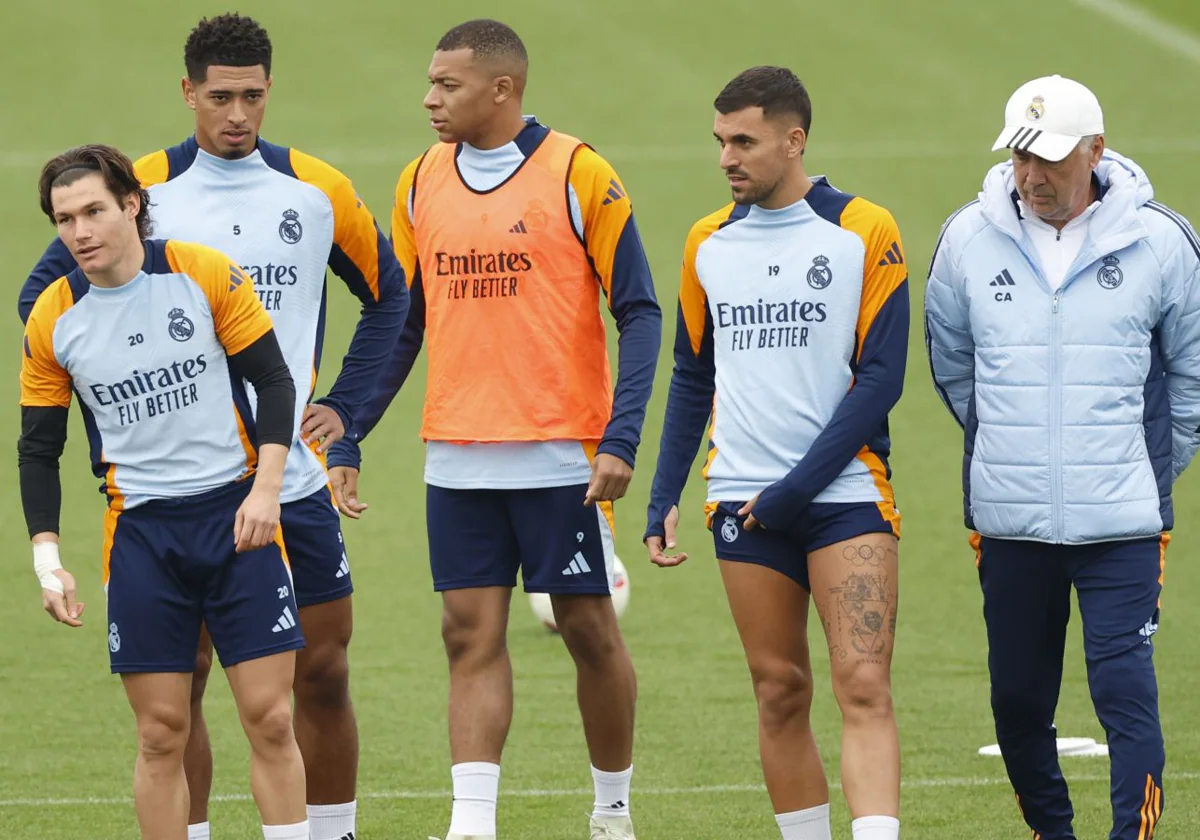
pixel 1108 401
pixel 285 217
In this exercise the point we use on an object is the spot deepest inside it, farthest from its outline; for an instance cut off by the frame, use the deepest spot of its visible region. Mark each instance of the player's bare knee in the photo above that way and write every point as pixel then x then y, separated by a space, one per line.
pixel 470 637
pixel 323 677
pixel 162 734
pixel 269 727
pixel 784 692
pixel 863 691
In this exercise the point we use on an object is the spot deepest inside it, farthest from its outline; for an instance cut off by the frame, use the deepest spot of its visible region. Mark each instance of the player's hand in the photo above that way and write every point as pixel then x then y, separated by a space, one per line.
pixel 62 606
pixel 610 479
pixel 320 422
pixel 344 481
pixel 751 523
pixel 257 520
pixel 659 546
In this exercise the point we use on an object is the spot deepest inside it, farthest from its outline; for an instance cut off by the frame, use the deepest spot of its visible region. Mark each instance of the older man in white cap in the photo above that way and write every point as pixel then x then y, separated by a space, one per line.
pixel 1063 327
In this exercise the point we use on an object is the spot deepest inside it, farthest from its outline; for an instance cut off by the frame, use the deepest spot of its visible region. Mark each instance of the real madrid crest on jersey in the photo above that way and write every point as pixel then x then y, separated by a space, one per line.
pixel 729 531
pixel 1110 275
pixel 1036 109
pixel 290 229
pixel 820 275
pixel 180 327
pixel 114 638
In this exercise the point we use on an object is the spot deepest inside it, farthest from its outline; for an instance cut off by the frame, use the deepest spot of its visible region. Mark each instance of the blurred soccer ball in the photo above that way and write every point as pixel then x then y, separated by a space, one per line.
pixel 540 601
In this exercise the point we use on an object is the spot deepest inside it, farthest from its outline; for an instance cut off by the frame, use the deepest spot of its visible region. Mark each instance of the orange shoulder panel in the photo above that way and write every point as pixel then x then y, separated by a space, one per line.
pixel 605 207
pixel 884 267
pixel 152 169
pixel 354 228
pixel 44 382
pixel 692 300
pixel 404 237
pixel 238 316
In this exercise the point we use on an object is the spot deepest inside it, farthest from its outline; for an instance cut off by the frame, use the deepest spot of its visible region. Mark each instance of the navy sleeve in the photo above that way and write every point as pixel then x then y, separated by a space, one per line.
pixel 395 370
pixel 381 320
pixel 55 263
pixel 639 322
pixel 860 416
pixel 689 406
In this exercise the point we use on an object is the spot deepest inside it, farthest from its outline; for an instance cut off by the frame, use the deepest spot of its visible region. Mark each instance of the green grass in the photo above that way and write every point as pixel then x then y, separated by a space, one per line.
pixel 908 98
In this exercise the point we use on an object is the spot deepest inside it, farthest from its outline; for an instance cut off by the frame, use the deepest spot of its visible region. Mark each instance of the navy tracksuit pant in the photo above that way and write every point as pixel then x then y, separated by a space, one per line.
pixel 1026 605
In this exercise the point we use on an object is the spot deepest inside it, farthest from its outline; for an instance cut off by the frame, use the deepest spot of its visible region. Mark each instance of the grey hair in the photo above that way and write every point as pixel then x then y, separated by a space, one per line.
pixel 1086 143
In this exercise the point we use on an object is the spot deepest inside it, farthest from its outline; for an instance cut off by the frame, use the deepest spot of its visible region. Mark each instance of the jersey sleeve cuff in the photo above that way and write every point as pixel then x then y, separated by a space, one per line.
pixel 345 453
pixel 618 448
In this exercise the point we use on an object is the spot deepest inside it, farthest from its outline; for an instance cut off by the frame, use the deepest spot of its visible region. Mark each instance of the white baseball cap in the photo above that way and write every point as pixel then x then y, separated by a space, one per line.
pixel 1048 116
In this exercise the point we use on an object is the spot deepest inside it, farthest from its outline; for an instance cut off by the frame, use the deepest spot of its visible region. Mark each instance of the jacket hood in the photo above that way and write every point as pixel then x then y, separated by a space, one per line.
pixel 1127 190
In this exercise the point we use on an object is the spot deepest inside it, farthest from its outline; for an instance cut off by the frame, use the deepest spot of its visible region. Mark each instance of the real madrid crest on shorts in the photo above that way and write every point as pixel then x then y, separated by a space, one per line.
pixel 181 327
pixel 290 229
pixel 1110 275
pixel 820 275
pixel 729 530
pixel 114 638
pixel 1036 109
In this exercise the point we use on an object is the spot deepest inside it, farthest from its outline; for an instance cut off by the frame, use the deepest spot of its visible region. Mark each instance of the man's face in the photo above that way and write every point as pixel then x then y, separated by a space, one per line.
pixel 94 226
pixel 1056 191
pixel 755 152
pixel 462 95
pixel 230 105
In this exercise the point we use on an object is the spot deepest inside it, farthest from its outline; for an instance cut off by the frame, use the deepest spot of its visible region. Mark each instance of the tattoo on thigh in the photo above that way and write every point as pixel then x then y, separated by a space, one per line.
pixel 863 612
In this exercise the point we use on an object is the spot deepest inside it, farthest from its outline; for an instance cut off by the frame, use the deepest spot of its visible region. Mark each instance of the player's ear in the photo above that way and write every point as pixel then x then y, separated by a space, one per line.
pixel 797 140
pixel 189 92
pixel 504 87
pixel 133 205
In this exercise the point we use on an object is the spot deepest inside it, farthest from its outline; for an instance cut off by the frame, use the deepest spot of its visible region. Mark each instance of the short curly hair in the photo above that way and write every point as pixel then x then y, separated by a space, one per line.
pixel 488 39
pixel 230 40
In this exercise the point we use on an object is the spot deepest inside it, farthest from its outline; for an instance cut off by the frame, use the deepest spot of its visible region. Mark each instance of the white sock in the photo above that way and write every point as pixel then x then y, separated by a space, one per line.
pixel 612 793
pixel 875 828
pixel 332 822
pixel 299 831
pixel 199 831
pixel 809 824
pixel 476 786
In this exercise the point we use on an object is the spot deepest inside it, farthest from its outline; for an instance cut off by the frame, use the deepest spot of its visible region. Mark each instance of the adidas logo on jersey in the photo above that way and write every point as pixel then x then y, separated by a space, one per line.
pixel 893 256
pixel 615 193
pixel 578 565
pixel 343 567
pixel 519 227
pixel 1003 279
pixel 286 621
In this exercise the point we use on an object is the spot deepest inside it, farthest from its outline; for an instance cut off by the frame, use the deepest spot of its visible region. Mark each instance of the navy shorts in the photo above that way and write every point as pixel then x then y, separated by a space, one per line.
pixel 312 535
pixel 482 537
pixel 786 552
pixel 171 564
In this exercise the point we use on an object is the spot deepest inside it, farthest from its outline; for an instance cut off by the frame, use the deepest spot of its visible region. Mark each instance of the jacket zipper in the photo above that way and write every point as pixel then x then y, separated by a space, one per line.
pixel 1056 503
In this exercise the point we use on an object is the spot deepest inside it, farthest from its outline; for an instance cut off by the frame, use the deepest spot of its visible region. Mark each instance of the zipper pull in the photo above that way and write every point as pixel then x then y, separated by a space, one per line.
pixel 1055 308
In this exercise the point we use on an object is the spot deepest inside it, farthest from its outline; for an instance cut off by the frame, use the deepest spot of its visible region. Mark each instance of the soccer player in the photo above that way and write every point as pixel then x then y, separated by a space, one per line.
pixel 793 311
pixel 509 231
pixel 1063 326
pixel 156 338
pixel 283 216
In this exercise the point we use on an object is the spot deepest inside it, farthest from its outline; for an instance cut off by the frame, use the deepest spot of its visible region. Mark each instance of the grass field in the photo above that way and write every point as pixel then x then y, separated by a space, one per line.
pixel 908 98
